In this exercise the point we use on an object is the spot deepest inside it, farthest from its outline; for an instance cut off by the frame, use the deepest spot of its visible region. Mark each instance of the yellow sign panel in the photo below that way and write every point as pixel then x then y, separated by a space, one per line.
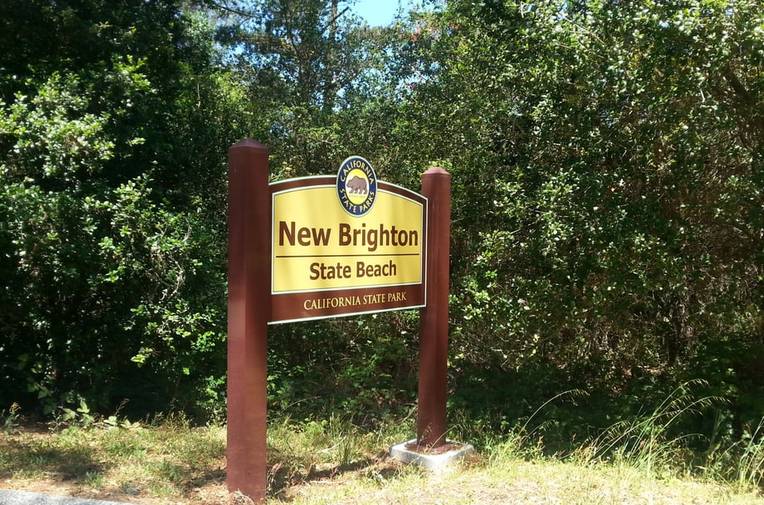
pixel 317 244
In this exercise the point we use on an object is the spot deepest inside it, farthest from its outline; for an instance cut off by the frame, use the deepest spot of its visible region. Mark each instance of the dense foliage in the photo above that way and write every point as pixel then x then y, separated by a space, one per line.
pixel 608 215
pixel 113 127
pixel 608 170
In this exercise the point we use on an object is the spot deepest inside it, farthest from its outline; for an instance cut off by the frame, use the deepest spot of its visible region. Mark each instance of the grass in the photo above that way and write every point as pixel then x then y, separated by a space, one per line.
pixel 335 462
pixel 162 462
pixel 520 481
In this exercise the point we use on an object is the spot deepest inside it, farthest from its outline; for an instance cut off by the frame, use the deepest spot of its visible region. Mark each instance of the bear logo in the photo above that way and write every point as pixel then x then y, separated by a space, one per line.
pixel 356 186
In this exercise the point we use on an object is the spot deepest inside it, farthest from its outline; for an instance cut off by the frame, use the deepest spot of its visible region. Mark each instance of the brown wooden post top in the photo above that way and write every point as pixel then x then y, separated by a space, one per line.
pixel 249 209
pixel 433 351
pixel 437 171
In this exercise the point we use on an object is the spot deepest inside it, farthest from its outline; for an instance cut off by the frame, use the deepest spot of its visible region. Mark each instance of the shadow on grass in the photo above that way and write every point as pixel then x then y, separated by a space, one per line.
pixel 208 476
pixel 122 463
pixel 30 457
pixel 283 479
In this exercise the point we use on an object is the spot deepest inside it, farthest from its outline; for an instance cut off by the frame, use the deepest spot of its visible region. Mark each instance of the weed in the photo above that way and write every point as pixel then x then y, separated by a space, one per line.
pixel 645 441
pixel 741 463
pixel 10 418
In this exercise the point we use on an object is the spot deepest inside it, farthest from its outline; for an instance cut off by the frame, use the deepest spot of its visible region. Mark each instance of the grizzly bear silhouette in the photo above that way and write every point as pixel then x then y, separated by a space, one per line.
pixel 357 185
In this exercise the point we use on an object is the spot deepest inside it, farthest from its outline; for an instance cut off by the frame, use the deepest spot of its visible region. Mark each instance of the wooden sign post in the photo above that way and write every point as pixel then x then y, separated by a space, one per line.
pixel 249 210
pixel 320 247
pixel 433 333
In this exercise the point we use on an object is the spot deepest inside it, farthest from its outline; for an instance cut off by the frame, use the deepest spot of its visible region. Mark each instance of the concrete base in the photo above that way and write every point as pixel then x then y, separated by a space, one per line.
pixel 432 461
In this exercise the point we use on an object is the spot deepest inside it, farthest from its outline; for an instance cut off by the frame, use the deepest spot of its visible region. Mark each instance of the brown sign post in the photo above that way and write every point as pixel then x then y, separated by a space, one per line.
pixel 433 336
pixel 322 247
pixel 249 210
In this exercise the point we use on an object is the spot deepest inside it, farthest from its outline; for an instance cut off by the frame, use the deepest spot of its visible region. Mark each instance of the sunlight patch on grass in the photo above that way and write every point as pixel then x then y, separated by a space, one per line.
pixel 518 481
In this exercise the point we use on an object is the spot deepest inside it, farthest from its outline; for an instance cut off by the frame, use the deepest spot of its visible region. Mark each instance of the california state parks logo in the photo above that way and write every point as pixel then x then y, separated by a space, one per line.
pixel 356 186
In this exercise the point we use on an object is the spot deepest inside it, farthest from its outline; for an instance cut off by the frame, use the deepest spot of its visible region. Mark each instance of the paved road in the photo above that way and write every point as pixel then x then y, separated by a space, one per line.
pixel 25 498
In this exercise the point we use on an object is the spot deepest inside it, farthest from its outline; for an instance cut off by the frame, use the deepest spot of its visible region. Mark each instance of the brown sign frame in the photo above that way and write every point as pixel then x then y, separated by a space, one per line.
pixel 289 307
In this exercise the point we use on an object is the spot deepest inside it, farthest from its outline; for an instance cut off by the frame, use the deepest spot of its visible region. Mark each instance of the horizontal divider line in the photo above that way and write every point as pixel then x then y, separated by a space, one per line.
pixel 342 255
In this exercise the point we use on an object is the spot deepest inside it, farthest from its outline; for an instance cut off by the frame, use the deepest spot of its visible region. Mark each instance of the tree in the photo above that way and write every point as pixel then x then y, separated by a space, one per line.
pixel 114 121
pixel 607 177
pixel 304 61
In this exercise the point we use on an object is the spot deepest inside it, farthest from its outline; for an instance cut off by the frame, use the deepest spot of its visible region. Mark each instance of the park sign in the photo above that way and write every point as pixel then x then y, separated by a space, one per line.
pixel 344 245
pixel 328 246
